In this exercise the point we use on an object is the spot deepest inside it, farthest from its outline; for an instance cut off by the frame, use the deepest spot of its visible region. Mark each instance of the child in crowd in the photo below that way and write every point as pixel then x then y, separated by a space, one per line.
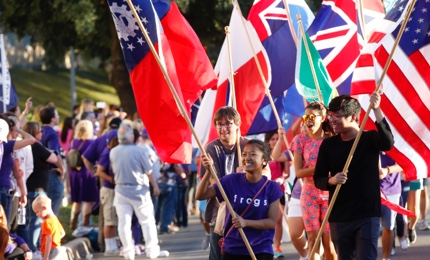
pixel 52 230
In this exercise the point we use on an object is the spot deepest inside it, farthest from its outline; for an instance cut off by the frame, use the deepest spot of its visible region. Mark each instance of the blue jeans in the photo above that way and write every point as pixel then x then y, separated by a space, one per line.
pixel 357 239
pixel 215 250
pixel 6 198
pixel 167 202
pixel 181 208
pixel 55 192
pixel 33 223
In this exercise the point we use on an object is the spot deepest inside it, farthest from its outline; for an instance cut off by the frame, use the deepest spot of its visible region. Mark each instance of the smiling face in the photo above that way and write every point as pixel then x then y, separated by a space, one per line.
pixel 339 121
pixel 226 130
pixel 252 158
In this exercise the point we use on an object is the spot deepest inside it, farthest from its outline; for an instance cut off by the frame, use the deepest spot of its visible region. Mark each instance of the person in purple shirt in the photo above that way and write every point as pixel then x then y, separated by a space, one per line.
pixel 83 184
pixel 107 192
pixel 94 151
pixel 260 212
pixel 390 175
pixel 92 155
pixel 7 162
pixel 50 139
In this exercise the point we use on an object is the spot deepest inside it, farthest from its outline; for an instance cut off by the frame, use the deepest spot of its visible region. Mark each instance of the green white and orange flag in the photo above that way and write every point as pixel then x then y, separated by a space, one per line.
pixel 310 68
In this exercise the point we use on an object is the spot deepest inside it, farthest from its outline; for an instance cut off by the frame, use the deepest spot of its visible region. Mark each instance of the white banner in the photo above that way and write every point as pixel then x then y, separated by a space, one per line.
pixel 5 82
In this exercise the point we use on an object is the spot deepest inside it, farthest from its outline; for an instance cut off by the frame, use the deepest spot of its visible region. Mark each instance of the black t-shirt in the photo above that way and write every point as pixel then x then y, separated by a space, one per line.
pixel 40 176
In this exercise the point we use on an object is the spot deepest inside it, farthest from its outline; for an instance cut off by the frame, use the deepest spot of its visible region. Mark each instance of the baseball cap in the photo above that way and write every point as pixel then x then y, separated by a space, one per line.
pixel 4 130
pixel 115 122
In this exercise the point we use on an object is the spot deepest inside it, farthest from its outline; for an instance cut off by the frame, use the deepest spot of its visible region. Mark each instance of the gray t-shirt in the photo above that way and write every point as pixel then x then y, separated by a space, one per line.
pixel 131 166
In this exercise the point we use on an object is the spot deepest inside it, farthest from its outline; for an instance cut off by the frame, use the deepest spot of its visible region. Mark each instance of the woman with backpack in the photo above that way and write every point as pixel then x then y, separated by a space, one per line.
pixel 83 184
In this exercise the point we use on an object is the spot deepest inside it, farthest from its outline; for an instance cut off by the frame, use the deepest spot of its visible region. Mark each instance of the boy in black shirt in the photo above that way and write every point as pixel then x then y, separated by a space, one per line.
pixel 354 220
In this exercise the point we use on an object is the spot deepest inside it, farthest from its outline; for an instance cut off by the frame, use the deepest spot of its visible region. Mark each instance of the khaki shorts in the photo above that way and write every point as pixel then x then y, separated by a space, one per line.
pixel 109 212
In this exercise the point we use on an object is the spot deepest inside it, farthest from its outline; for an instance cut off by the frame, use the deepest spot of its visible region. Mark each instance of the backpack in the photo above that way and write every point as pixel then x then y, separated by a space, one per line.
pixel 74 158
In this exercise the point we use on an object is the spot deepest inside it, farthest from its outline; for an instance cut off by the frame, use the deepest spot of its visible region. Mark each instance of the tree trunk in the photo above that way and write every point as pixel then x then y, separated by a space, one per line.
pixel 119 77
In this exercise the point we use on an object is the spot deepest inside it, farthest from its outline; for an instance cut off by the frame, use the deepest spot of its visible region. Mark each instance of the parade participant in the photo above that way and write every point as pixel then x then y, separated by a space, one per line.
pixel 354 220
pixel 390 174
pixel 280 171
pixel 254 198
pixel 313 202
pixel 223 151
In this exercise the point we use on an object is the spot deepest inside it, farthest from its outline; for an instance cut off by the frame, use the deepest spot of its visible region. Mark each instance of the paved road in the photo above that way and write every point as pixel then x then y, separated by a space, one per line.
pixel 186 244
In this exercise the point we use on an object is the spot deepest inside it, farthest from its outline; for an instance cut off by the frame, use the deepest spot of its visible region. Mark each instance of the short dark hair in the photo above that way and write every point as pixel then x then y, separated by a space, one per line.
pixel 47 114
pixel 346 103
pixel 227 112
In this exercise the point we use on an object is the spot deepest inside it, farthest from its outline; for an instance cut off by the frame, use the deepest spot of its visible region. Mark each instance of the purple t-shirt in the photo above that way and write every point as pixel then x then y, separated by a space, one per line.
pixel 297 190
pixel 105 162
pixel 6 165
pixel 51 141
pixel 240 192
pixel 391 184
pixel 94 151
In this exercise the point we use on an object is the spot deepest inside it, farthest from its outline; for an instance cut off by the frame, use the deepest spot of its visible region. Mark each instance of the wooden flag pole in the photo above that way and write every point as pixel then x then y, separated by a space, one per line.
pixel 357 138
pixel 233 90
pixel 362 22
pixel 184 114
pixel 230 63
pixel 260 71
pixel 311 63
pixel 290 22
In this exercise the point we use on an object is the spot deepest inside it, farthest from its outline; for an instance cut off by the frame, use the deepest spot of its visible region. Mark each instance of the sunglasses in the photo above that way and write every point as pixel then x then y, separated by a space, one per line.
pixel 311 117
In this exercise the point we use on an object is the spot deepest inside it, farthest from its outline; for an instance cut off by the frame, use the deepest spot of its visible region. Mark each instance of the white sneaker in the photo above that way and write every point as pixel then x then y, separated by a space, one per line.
pixel 205 242
pixel 423 225
pixel 404 243
pixel 163 253
pixel 137 250
pixel 393 251
pixel 37 255
pixel 114 252
pixel 129 255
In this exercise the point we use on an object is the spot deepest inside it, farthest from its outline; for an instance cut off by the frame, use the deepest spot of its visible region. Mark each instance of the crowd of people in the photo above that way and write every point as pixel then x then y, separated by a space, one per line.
pixel 104 164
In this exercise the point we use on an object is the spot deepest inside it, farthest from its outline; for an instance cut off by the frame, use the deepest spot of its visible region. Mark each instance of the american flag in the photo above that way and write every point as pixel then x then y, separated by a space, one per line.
pixel 406 87
pixel 338 38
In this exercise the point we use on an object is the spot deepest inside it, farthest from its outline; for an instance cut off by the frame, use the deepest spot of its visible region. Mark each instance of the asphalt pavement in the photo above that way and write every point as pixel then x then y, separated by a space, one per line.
pixel 186 244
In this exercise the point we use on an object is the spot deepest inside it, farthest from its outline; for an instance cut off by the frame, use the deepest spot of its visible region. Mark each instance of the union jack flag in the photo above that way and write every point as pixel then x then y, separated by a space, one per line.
pixel 270 21
pixel 337 35
pixel 406 99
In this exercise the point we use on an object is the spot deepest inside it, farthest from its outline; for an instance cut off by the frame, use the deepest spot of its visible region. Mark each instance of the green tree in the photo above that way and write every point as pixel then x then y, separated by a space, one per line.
pixel 87 26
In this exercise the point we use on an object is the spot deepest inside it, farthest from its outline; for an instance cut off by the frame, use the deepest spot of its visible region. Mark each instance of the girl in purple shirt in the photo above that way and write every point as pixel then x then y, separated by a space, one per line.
pixel 259 220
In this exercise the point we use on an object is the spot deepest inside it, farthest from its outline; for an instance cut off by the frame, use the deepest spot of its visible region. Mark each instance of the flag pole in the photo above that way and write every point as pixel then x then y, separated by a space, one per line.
pixel 184 114
pixel 366 116
pixel 290 22
pixel 230 63
pixel 362 22
pixel 260 71
pixel 233 90
pixel 308 54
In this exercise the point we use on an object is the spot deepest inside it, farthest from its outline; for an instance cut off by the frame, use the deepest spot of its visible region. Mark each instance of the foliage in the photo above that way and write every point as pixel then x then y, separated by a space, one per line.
pixel 59 24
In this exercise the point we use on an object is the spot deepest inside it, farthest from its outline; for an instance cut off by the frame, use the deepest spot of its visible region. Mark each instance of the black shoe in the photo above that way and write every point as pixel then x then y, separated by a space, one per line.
pixel 412 236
